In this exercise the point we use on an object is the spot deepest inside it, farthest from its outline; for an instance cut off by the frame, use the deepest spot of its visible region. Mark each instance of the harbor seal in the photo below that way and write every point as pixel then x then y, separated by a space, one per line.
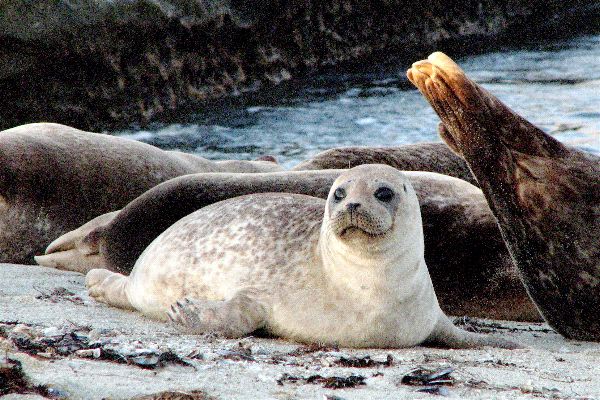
pixel 353 276
pixel 545 195
pixel 432 157
pixel 463 246
pixel 54 178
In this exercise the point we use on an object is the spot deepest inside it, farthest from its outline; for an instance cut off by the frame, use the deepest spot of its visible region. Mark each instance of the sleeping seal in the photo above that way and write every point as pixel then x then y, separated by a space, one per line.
pixel 545 195
pixel 348 271
pixel 53 178
pixel 432 157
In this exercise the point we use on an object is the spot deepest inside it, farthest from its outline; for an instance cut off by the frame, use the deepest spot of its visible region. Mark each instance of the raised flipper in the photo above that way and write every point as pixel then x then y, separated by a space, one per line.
pixel 445 334
pixel 545 195
pixel 78 250
pixel 108 287
pixel 233 318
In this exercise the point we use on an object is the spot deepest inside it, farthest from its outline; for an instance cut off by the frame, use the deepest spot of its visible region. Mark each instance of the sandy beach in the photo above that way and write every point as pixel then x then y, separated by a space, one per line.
pixel 57 342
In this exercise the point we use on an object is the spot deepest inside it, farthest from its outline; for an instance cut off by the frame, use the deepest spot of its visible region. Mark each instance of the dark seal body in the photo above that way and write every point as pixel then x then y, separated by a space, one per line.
pixel 432 157
pixel 54 178
pixel 545 195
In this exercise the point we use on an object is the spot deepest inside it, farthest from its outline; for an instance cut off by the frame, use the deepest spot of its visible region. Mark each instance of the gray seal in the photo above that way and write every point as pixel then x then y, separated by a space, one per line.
pixel 545 195
pixel 349 271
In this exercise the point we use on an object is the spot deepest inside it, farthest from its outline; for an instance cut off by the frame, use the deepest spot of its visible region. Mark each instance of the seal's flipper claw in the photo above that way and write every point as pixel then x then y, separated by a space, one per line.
pixel 232 318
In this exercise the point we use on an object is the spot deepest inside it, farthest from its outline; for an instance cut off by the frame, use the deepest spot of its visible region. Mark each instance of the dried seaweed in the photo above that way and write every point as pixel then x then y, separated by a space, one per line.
pixel 364 362
pixel 332 382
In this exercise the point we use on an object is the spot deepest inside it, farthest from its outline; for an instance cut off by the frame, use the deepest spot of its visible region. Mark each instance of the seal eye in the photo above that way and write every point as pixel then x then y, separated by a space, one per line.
pixel 339 194
pixel 384 194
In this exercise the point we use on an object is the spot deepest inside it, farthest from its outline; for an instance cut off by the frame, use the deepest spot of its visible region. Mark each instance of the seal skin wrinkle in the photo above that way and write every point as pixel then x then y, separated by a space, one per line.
pixel 53 178
pixel 463 245
pixel 545 195
pixel 348 271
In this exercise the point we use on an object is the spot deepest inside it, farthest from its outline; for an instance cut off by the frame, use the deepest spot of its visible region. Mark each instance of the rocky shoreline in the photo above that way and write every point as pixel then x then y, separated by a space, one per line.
pixel 108 64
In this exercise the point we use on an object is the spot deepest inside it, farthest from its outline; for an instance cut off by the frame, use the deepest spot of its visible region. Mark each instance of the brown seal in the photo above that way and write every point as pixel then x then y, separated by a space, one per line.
pixel 466 256
pixel 432 157
pixel 545 195
pixel 53 178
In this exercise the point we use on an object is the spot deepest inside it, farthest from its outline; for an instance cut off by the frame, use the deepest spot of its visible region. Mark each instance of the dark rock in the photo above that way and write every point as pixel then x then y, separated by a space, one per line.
pixel 66 342
pixel 105 64
pixel 14 381
pixel 427 377
pixel 59 294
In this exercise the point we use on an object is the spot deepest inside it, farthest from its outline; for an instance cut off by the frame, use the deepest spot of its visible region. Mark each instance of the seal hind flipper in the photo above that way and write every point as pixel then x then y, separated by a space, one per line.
pixel 78 250
pixel 233 318
pixel 445 334
pixel 108 287
pixel 71 260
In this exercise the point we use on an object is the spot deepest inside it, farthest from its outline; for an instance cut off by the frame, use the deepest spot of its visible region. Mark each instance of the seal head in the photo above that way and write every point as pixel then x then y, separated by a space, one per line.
pixel 366 208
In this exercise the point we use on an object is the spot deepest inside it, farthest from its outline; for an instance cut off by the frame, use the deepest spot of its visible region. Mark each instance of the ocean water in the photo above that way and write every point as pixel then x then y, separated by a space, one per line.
pixel 555 85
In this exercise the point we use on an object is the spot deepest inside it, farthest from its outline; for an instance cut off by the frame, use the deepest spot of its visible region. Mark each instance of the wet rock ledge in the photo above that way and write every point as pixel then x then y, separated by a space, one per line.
pixel 111 63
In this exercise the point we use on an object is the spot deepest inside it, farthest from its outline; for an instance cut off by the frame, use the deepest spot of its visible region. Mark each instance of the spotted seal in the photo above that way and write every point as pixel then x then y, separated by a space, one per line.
pixel 463 246
pixel 545 195
pixel 348 271
pixel 53 178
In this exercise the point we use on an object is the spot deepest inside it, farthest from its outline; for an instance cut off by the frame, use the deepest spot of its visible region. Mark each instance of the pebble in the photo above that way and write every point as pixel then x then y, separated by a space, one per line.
pixel 527 387
pixel 89 353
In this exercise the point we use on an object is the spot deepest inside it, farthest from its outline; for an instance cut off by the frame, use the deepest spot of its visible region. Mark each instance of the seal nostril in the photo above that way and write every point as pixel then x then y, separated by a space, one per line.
pixel 352 206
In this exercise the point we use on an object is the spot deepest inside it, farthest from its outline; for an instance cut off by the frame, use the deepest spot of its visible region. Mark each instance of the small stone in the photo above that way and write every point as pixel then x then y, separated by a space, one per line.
pixel 527 387
pixel 57 393
pixel 93 335
pixel 52 331
pixel 89 353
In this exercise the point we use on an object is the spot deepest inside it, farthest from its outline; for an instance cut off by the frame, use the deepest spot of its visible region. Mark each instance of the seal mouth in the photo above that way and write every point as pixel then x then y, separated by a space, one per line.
pixel 354 229
pixel 348 225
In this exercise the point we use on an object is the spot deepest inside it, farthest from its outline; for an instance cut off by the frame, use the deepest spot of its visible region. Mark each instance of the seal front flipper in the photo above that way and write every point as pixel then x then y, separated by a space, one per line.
pixel 445 334
pixel 233 318
pixel 78 250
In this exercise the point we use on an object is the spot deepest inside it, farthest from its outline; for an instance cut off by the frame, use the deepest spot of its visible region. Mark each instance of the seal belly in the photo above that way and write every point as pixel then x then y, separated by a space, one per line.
pixel 364 318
